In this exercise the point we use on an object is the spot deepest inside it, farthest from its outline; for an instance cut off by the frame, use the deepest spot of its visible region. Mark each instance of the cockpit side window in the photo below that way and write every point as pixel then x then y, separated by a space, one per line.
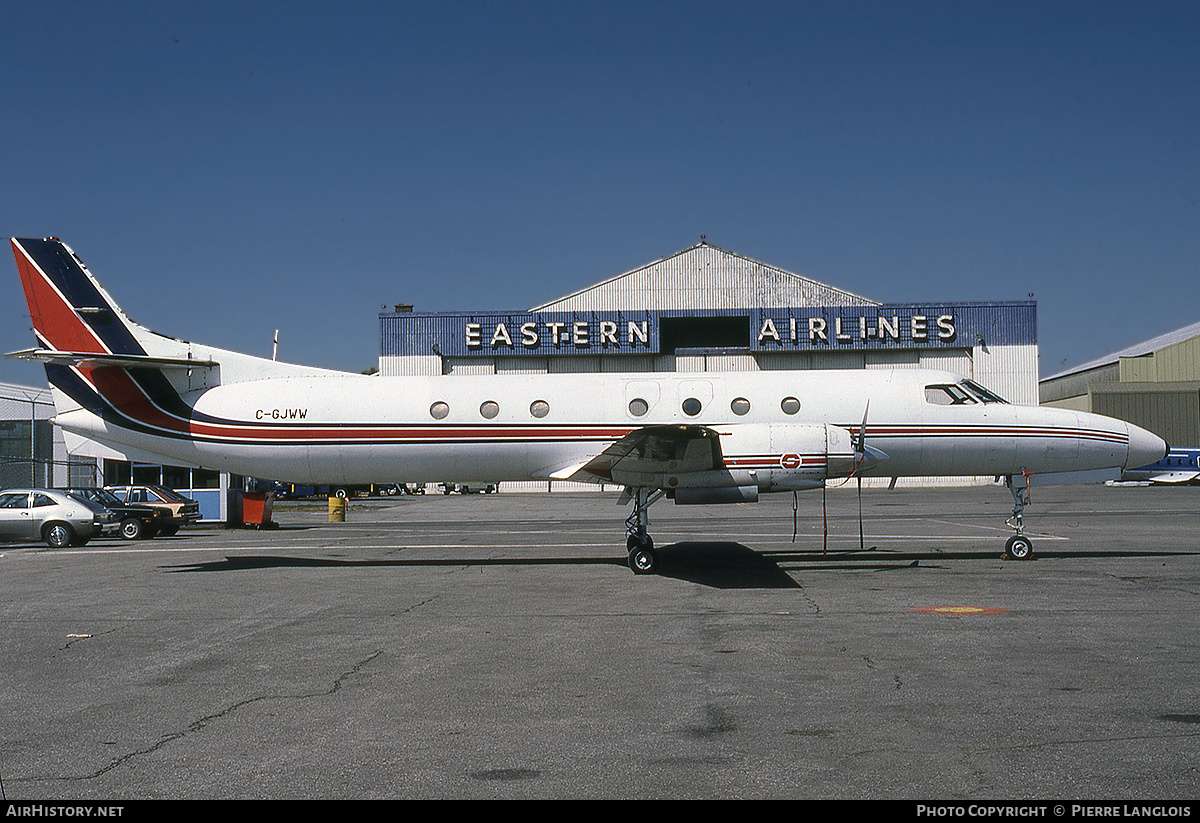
pixel 947 394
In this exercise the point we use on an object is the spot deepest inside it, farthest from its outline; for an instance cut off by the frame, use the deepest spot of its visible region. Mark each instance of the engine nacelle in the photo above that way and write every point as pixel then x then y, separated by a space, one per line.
pixel 734 463
pixel 788 456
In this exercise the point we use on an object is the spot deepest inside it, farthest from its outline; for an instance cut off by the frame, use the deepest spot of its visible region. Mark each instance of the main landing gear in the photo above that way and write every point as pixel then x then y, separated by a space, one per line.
pixel 1018 547
pixel 638 542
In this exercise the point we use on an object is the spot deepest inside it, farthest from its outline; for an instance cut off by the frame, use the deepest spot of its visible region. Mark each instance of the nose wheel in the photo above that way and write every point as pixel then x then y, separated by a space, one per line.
pixel 1018 547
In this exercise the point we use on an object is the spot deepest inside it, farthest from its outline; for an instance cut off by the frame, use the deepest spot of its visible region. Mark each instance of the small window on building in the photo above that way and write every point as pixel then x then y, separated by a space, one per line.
pixel 439 410
pixel 740 406
pixel 790 405
pixel 539 408
pixel 489 409
pixel 206 479
pixel 638 407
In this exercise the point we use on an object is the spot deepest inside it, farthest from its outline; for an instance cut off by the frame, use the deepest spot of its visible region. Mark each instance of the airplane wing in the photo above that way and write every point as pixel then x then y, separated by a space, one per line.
pixel 93 360
pixel 647 451
pixel 1174 476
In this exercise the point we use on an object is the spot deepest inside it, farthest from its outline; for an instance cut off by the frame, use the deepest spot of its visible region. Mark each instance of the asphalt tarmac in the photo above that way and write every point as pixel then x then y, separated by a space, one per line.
pixel 499 647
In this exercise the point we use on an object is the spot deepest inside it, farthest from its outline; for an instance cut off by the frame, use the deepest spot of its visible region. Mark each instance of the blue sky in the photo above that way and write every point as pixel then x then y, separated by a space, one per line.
pixel 232 168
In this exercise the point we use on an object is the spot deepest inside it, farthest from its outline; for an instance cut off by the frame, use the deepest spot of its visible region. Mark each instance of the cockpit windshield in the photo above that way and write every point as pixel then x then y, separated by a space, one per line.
pixel 966 393
pixel 948 394
pixel 986 395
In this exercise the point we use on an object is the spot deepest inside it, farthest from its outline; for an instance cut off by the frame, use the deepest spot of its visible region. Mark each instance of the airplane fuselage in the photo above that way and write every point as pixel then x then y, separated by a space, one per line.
pixel 778 430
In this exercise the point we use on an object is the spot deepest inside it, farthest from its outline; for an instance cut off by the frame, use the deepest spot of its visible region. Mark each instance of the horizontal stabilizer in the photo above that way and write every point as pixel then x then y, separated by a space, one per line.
pixel 93 360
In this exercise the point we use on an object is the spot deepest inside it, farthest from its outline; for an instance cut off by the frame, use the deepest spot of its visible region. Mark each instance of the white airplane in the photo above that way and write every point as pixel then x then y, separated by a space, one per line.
pixel 697 438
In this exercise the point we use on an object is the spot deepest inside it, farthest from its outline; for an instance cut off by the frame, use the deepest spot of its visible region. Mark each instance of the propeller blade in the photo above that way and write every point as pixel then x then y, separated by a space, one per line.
pixel 861 445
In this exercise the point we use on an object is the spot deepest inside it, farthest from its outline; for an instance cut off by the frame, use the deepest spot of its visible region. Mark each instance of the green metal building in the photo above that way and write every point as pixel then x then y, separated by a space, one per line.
pixel 1155 384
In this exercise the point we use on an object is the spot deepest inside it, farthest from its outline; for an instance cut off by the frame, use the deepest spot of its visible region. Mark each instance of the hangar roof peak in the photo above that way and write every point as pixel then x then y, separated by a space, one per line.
pixel 704 275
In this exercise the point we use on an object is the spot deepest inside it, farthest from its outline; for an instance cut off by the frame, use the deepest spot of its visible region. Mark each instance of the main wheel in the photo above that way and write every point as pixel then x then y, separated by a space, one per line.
pixel 1019 547
pixel 641 560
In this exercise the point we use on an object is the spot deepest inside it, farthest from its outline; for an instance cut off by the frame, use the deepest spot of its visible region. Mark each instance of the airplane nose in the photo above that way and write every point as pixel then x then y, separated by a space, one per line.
pixel 1144 447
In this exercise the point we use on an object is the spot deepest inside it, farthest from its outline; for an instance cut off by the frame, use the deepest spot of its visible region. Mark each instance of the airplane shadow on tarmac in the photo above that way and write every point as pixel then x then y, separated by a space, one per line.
pixel 720 565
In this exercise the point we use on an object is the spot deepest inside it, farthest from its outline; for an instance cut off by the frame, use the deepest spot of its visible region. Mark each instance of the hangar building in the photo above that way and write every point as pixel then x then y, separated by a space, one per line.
pixel 707 309
pixel 1154 384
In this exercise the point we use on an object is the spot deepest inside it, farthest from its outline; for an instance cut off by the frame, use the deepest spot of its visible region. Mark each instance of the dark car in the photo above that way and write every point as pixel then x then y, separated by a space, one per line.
pixel 134 520
pixel 178 510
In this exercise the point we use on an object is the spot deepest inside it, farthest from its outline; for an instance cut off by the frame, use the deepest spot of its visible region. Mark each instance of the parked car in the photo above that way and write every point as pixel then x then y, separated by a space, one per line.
pixel 51 515
pixel 178 510
pixel 133 520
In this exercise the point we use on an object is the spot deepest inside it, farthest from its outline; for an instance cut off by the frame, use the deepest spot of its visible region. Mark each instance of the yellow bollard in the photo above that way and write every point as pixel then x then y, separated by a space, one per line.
pixel 337 510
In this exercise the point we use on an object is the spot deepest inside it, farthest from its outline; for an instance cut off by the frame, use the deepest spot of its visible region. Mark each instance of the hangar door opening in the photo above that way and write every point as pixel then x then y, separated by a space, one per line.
pixel 703 333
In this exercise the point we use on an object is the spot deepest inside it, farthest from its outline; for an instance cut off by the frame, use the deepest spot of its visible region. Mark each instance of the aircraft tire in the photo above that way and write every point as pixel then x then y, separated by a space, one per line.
pixel 1019 547
pixel 642 560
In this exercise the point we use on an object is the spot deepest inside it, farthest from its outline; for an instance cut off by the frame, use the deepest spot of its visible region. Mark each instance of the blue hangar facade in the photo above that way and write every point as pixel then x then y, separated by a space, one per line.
pixel 709 309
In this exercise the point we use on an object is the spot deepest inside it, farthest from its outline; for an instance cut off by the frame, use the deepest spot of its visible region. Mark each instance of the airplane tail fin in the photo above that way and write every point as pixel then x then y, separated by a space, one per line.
pixel 78 324
pixel 95 356
pixel 73 315
pixel 113 381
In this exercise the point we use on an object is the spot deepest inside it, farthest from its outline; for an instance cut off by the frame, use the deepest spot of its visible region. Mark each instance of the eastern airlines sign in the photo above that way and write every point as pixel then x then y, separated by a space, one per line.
pixel 915 329
pixel 557 334
pixel 766 330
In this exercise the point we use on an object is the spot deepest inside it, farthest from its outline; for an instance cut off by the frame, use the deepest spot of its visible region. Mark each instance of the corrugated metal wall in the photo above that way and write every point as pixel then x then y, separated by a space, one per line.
pixel 1170 410
pixel 996 343
pixel 1155 388
pixel 1177 362
pixel 704 276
